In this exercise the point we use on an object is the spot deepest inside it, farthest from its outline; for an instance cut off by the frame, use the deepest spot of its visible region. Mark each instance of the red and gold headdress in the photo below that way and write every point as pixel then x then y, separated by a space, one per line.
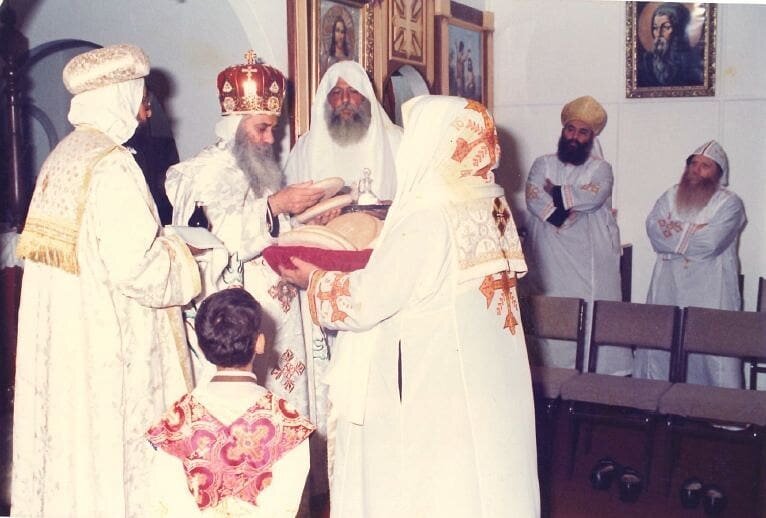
pixel 251 88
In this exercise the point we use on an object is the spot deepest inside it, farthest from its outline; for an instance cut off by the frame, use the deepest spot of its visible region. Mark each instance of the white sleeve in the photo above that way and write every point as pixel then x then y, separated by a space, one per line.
pixel 296 168
pixel 155 271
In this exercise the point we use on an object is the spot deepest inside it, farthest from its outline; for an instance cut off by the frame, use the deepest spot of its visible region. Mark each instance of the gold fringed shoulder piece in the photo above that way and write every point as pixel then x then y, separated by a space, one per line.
pixel 53 224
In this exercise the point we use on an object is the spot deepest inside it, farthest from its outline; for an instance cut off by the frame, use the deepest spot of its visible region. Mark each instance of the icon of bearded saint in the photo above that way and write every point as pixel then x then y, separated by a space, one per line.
pixel 670 59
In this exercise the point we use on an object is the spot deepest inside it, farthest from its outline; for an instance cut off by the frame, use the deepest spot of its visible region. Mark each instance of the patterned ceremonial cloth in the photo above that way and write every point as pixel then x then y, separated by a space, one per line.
pixel 105 66
pixel 229 461
pixel 104 117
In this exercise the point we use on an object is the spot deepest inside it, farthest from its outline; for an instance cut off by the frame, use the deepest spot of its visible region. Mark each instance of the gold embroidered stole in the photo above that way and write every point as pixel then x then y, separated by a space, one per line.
pixel 55 214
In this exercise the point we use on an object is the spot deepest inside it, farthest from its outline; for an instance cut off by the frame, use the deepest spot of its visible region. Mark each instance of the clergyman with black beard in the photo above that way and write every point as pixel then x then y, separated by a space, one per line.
pixel 573 244
pixel 694 228
pixel 671 61
pixel 239 182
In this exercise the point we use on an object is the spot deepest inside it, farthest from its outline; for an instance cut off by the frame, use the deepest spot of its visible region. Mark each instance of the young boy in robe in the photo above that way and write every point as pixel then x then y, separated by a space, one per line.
pixel 243 450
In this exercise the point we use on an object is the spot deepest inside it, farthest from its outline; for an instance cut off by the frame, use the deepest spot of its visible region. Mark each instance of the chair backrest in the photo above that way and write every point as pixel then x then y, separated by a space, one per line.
pixel 561 318
pixel 720 332
pixel 628 324
pixel 761 306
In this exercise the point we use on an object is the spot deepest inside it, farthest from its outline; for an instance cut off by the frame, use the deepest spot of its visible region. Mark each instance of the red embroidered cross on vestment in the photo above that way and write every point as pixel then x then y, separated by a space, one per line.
pixel 503 283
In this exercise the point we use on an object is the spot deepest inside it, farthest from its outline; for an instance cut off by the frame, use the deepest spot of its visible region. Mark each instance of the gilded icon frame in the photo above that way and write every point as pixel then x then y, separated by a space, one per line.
pixel 655 73
pixel 307 23
pixel 456 23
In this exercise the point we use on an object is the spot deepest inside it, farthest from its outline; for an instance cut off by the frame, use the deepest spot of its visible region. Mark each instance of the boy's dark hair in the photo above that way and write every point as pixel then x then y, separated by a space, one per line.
pixel 227 324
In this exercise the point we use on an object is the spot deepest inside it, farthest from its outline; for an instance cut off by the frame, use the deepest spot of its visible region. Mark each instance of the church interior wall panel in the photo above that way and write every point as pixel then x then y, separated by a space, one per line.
pixel 546 52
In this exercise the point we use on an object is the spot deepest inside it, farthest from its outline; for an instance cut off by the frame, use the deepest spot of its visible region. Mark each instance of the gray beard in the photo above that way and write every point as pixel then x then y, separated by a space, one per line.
pixel 661 65
pixel 258 163
pixel 347 132
pixel 692 198
pixel 661 46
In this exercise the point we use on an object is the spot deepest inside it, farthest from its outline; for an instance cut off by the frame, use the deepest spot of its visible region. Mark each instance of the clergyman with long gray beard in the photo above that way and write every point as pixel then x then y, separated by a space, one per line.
pixel 240 184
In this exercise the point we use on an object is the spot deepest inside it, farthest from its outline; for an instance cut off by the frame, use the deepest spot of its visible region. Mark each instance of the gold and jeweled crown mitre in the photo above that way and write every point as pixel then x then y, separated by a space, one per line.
pixel 251 88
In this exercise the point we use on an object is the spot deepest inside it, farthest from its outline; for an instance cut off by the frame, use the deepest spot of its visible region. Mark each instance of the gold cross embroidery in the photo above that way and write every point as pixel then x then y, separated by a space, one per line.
pixel 503 284
pixel 339 288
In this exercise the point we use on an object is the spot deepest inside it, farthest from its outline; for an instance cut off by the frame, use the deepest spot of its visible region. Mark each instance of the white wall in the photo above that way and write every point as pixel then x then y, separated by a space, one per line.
pixel 547 52
pixel 189 40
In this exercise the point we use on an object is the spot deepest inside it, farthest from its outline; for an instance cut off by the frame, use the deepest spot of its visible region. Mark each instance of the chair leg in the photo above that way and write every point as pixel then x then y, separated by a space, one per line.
pixel 545 436
pixel 574 435
pixel 759 450
pixel 546 450
pixel 673 448
pixel 650 423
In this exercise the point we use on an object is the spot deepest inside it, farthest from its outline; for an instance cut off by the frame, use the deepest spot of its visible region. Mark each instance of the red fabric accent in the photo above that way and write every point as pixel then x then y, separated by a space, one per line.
pixel 234 460
pixel 329 260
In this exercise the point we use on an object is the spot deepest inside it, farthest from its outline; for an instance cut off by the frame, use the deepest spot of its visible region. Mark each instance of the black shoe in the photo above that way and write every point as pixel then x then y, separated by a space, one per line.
pixel 631 485
pixel 713 500
pixel 603 474
pixel 691 493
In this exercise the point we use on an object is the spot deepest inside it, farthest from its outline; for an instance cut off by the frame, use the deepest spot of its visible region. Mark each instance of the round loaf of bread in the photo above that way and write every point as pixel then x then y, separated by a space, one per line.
pixel 316 236
pixel 359 228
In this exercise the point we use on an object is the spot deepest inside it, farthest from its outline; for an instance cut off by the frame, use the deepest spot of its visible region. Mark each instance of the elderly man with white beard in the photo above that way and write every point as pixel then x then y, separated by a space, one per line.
pixel 350 132
pixel 239 183
pixel 694 227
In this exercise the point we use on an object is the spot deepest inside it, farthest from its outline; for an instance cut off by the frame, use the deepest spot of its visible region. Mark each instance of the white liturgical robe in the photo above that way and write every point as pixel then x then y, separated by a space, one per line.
pixel 696 265
pixel 581 258
pixel 430 382
pixel 317 156
pixel 238 218
pixel 101 350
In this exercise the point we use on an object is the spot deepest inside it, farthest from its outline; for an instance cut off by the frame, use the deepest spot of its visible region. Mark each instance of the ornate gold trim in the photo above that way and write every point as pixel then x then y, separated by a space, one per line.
pixel 709 34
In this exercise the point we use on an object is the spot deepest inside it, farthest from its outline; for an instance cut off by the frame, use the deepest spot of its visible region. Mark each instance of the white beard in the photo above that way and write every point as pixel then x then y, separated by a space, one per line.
pixel 258 163
pixel 346 132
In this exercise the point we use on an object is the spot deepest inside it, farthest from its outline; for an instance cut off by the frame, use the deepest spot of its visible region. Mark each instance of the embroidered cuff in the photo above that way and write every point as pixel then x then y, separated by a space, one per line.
pixel 567 196
pixel 311 293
